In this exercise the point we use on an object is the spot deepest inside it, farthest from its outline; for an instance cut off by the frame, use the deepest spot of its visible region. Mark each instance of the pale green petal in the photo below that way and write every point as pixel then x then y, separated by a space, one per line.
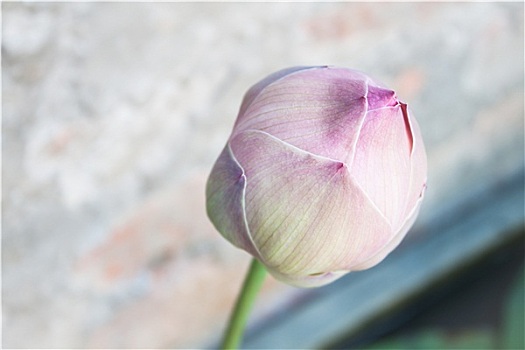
pixel 306 214
pixel 225 192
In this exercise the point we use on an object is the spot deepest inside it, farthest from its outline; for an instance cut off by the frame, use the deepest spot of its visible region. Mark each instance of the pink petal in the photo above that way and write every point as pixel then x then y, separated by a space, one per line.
pixel 394 242
pixel 319 110
pixel 418 161
pixel 255 90
pixel 378 97
pixel 382 162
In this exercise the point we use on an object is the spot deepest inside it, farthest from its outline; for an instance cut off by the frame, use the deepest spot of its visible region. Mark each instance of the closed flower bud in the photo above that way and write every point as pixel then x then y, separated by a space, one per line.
pixel 323 174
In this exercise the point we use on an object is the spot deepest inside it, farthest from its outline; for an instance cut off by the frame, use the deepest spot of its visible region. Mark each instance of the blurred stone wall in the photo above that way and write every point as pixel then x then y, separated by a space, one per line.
pixel 113 114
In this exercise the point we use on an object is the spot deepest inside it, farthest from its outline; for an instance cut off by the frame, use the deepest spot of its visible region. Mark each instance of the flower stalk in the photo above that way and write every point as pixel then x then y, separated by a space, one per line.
pixel 251 286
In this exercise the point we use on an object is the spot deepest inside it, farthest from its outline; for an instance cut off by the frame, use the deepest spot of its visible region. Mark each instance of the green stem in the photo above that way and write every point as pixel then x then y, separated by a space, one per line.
pixel 252 283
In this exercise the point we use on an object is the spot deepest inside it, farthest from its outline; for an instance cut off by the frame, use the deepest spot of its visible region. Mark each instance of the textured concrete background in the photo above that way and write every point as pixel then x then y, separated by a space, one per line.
pixel 114 113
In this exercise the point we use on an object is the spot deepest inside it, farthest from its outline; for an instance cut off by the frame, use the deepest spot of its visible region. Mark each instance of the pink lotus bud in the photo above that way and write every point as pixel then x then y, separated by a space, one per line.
pixel 323 174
